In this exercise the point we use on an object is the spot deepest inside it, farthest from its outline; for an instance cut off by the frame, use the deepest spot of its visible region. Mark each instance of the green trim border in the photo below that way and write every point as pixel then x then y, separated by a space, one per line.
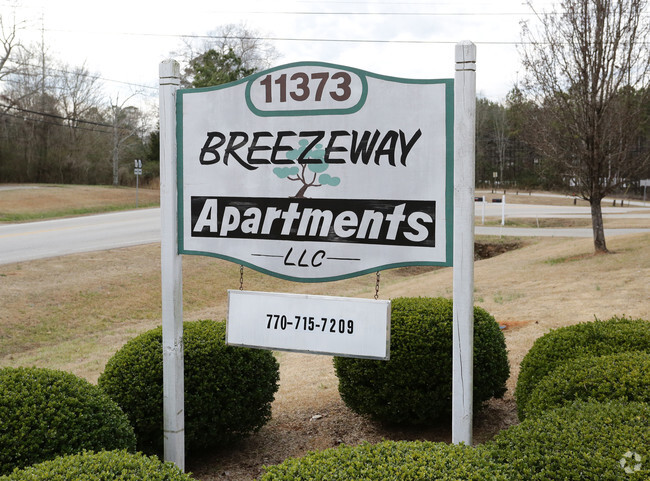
pixel 449 180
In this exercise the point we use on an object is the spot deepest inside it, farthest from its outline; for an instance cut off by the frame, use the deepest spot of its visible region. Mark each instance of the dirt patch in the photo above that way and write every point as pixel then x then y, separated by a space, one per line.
pixel 482 250
pixel 510 325
pixel 295 433
pixel 487 250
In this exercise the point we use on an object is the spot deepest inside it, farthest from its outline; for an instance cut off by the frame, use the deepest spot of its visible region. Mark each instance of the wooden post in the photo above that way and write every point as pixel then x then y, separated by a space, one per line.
pixel 463 311
pixel 171 271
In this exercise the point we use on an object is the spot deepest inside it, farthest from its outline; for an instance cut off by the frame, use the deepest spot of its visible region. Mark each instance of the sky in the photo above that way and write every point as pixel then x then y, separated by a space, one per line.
pixel 124 41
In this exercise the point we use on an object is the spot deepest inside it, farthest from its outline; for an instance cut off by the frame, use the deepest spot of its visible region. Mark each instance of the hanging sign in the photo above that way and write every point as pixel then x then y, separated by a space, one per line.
pixel 338 326
pixel 316 172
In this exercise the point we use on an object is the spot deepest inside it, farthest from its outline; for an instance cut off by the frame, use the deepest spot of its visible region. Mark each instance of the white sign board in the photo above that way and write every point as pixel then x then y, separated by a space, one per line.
pixel 317 172
pixel 338 326
pixel 645 183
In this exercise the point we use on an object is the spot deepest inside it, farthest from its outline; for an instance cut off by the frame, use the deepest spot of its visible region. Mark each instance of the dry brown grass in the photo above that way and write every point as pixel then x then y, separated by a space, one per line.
pixel 53 199
pixel 74 312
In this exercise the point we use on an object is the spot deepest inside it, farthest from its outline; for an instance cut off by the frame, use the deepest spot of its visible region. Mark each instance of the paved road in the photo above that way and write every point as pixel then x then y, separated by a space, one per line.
pixel 52 238
pixel 38 240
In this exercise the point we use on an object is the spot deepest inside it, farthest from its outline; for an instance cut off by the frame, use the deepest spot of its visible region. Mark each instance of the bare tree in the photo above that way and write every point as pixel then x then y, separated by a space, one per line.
pixel 14 56
pixel 9 44
pixel 501 139
pixel 246 44
pixel 587 68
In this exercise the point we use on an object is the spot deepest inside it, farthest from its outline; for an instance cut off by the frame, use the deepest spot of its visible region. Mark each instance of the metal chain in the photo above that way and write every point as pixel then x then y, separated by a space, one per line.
pixel 377 286
pixel 241 278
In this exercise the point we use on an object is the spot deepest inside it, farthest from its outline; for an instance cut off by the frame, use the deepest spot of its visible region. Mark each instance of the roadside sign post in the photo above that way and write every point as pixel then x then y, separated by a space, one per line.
pixel 248 184
pixel 463 310
pixel 645 183
pixel 138 172
pixel 171 272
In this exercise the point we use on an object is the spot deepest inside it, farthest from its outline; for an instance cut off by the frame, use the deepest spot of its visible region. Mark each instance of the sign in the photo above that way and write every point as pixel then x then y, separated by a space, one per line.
pixel 645 183
pixel 317 172
pixel 337 326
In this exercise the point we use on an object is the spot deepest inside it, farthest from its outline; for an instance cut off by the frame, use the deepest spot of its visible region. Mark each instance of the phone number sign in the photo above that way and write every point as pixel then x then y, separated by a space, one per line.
pixel 317 172
pixel 337 326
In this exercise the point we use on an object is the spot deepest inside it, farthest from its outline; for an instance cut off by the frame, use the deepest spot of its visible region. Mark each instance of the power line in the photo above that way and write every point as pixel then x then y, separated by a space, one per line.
pixel 83 74
pixel 286 39
pixel 379 14
pixel 43 121
pixel 54 116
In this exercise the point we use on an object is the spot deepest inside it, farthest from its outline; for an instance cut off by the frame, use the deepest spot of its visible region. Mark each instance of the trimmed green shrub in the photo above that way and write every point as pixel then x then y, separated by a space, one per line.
pixel 46 413
pixel 102 466
pixel 581 441
pixel 389 460
pixel 228 390
pixel 624 376
pixel 414 386
pixel 586 339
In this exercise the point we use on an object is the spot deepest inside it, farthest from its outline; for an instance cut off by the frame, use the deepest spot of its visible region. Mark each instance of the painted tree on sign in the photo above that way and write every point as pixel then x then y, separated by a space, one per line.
pixel 308 174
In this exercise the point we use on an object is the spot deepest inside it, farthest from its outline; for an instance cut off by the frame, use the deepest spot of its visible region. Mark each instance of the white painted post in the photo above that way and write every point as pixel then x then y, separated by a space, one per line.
pixel 171 271
pixel 503 210
pixel 463 311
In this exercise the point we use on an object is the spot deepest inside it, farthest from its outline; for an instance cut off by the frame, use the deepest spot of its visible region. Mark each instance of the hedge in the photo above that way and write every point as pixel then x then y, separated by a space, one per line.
pixel 46 413
pixel 624 376
pixel 414 386
pixel 228 390
pixel 618 334
pixel 102 466
pixel 581 441
pixel 388 461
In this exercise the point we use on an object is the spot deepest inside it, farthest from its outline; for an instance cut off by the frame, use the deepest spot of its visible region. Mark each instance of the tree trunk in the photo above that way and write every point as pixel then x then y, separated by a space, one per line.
pixel 301 192
pixel 116 172
pixel 597 226
pixel 116 154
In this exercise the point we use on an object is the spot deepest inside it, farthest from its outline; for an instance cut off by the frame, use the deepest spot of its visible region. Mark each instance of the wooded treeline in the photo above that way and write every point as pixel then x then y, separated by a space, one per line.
pixel 58 125
pixel 508 155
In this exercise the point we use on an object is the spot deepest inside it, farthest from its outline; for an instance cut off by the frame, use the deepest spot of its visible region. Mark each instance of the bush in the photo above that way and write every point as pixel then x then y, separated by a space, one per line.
pixel 103 466
pixel 414 387
pixel 46 413
pixel 624 376
pixel 228 390
pixel 586 339
pixel 390 460
pixel 594 441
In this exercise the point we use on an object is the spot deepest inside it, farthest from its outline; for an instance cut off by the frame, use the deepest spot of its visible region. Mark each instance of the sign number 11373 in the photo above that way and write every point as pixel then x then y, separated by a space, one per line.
pixel 301 86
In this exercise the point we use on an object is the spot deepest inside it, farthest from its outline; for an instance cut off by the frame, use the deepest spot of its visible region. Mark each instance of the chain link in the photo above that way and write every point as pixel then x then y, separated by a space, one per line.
pixel 241 278
pixel 377 285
